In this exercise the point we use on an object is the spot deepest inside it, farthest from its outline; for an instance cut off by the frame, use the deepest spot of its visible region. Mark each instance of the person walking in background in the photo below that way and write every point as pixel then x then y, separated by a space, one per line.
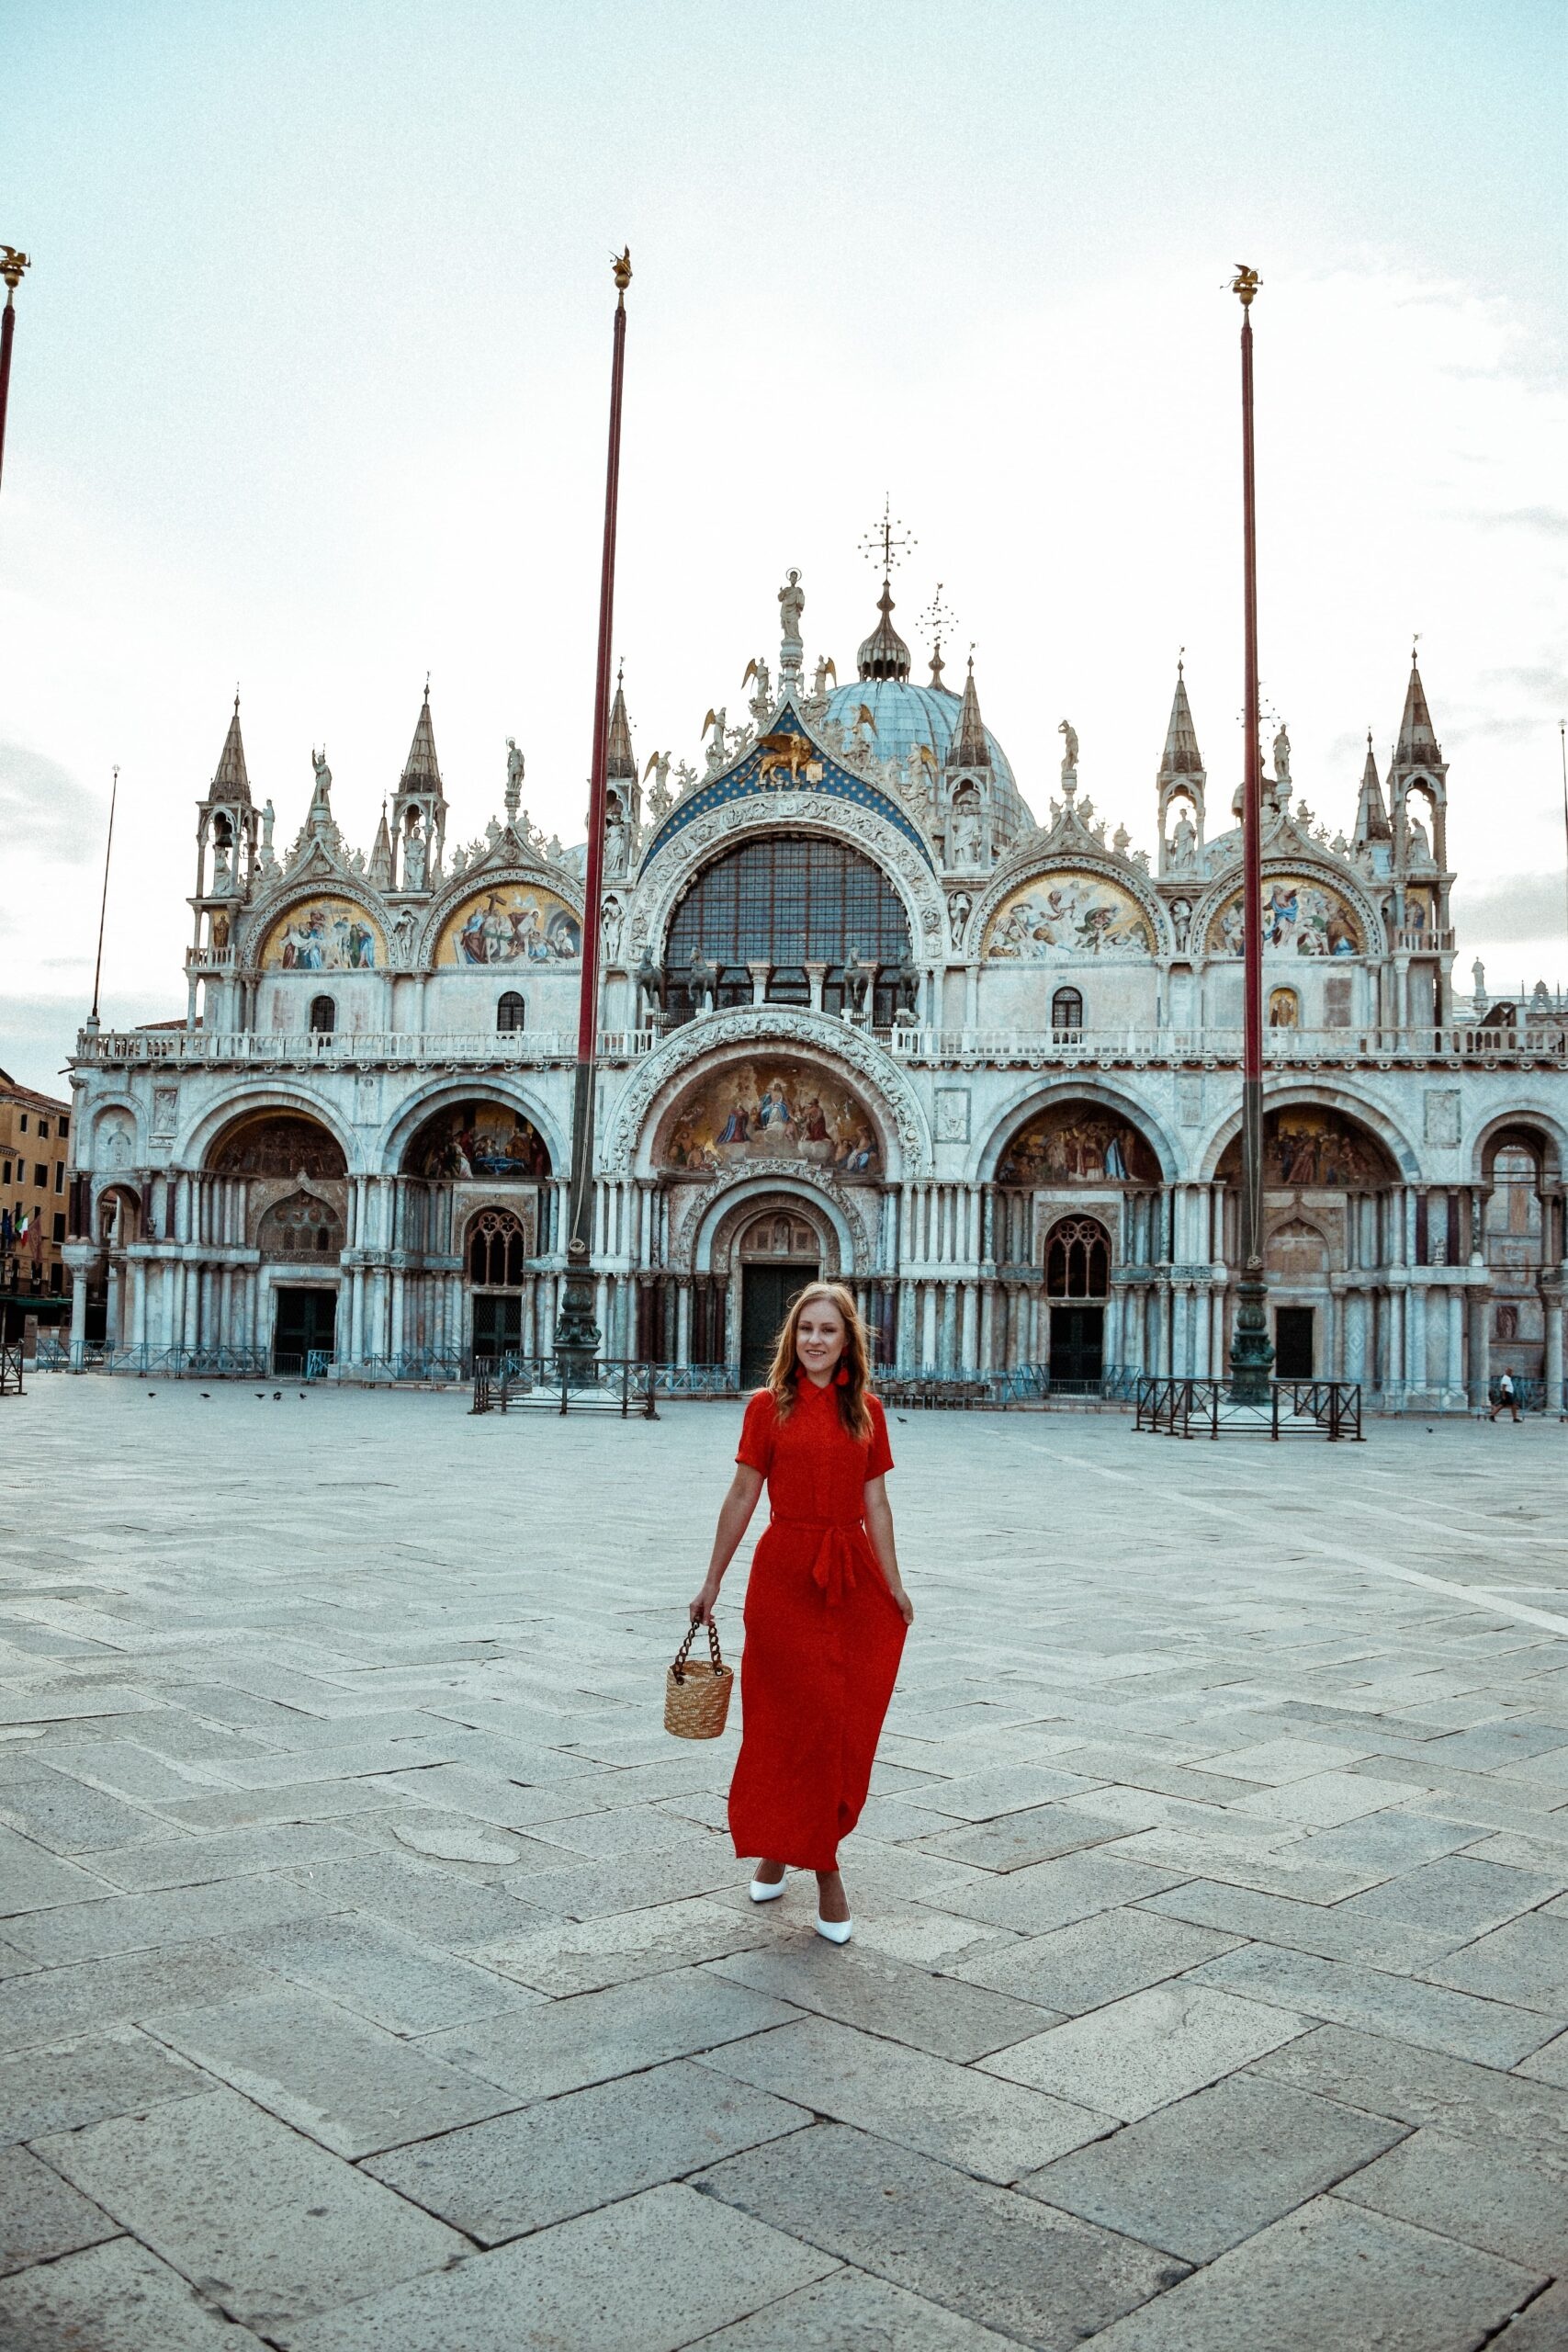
pixel 1507 1396
pixel 826 1610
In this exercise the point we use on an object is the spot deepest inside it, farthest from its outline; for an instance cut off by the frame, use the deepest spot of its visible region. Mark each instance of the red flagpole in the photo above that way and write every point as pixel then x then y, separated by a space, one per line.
pixel 12 264
pixel 576 1331
pixel 1252 1356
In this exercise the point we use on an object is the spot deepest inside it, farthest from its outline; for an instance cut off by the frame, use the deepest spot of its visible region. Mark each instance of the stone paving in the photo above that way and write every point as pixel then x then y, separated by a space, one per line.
pixel 375 1975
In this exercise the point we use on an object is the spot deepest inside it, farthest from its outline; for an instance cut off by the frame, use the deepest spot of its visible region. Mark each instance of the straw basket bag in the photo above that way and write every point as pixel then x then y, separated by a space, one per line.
pixel 697 1691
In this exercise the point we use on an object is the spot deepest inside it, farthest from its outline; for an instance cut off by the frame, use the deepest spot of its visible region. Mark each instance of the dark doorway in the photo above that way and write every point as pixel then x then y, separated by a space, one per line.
pixel 1292 1342
pixel 306 1321
pixel 498 1323
pixel 765 1295
pixel 1078 1346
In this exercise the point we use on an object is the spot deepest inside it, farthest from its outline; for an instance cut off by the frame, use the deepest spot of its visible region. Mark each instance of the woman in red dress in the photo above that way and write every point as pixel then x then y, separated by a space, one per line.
pixel 826 1608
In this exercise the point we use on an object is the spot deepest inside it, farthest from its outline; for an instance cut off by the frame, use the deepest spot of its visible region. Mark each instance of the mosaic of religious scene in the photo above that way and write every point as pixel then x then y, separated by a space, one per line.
pixel 328 935
pixel 1077 1143
pixel 771 1109
pixel 1307 1148
pixel 513 923
pixel 1299 917
pixel 277 1144
pixel 486 1139
pixel 1059 916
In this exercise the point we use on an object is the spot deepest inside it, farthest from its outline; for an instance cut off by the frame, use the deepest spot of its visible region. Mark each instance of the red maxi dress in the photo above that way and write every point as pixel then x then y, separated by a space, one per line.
pixel 823 1635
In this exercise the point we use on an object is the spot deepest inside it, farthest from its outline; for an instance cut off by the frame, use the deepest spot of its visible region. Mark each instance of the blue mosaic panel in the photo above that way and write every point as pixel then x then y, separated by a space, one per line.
pixel 745 781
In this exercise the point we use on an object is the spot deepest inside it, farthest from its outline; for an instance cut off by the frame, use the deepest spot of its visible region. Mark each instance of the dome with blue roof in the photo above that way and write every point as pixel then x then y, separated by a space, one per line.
pixel 906 715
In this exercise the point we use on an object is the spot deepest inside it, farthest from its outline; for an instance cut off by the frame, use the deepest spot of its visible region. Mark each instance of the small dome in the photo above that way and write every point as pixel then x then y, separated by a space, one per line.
pixel 884 654
pixel 906 715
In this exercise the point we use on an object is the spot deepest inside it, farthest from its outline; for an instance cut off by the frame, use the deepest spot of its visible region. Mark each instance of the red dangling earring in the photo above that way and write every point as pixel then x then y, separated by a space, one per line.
pixel 841 1377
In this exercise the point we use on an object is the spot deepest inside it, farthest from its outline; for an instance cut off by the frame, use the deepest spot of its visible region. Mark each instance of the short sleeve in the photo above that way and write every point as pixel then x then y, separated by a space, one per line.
pixel 879 1455
pixel 755 1450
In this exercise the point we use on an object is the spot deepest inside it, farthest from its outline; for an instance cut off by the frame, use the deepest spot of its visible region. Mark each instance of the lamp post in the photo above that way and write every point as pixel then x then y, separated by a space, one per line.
pixel 577 1333
pixel 12 264
pixel 1252 1356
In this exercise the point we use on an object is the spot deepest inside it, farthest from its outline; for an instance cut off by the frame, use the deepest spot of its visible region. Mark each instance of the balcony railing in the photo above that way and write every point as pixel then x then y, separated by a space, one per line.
pixel 1542 1041
pixel 1283 1048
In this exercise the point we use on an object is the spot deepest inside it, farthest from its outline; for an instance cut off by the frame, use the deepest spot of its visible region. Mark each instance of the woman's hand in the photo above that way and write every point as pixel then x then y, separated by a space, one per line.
pixel 903 1603
pixel 702 1605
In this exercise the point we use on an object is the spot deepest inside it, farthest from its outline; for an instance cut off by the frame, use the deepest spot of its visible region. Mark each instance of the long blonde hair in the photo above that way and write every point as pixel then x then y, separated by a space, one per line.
pixel 783 1374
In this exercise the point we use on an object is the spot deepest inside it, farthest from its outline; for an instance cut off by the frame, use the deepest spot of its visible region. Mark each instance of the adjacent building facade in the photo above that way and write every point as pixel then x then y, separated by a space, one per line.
pixel 35 1154
pixel 863 1015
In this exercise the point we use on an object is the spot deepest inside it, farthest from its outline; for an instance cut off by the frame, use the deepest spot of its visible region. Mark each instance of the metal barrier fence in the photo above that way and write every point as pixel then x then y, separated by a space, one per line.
pixel 562 1385
pixel 931 1390
pixel 11 1372
pixel 182 1364
pixel 1179 1407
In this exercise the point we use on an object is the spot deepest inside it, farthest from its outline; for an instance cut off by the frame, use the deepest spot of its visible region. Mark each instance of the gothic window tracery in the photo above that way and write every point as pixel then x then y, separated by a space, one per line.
pixel 1077 1259
pixel 497 1248
pixel 786 901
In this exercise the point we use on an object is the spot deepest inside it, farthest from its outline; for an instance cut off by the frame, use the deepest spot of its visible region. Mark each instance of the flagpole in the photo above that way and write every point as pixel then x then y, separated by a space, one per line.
pixel 576 1334
pixel 12 264
pixel 103 902
pixel 1252 1356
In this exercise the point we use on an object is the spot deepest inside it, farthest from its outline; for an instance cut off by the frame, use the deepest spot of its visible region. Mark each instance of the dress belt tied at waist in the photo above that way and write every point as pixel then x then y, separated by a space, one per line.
pixel 833 1569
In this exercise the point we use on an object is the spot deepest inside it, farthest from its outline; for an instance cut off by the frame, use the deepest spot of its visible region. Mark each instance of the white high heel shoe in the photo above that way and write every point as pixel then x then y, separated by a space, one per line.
pixel 766 1889
pixel 835 1930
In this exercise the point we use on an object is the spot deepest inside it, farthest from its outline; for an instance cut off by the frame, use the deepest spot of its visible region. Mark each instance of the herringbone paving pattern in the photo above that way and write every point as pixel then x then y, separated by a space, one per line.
pixel 375 1975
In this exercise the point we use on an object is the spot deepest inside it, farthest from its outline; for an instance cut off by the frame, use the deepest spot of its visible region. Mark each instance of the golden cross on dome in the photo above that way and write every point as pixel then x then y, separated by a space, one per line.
pixel 888 544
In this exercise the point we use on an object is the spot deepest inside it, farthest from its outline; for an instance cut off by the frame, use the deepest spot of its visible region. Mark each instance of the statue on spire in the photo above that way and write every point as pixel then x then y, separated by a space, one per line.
pixel 1069 735
pixel 513 780
pixel 1282 755
pixel 792 603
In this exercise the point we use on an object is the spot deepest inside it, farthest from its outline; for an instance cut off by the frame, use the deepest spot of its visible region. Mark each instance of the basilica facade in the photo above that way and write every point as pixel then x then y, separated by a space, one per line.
pixel 865 1015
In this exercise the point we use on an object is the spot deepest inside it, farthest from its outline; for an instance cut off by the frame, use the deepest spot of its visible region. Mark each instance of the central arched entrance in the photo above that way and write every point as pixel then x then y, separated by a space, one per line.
pixel 1078 1283
pixel 281 1178
pixel 778 1253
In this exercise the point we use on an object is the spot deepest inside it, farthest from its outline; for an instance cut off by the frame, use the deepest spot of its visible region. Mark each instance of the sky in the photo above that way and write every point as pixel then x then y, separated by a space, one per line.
pixel 312 372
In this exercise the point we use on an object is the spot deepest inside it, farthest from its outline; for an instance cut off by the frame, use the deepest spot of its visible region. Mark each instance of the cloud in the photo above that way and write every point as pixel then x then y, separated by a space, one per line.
pixel 38 1033
pixel 1528 518
pixel 43 808
pixel 1547 680
pixel 1516 906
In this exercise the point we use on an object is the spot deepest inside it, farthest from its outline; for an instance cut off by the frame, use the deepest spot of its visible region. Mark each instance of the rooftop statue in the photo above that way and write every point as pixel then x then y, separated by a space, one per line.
pixel 1069 735
pixel 792 603
pixel 1282 755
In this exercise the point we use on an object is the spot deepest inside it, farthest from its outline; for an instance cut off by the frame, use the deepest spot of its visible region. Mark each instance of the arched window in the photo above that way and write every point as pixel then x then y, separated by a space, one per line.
pixel 788 902
pixel 497 1248
pixel 1067 1012
pixel 323 1015
pixel 1077 1259
pixel 509 1012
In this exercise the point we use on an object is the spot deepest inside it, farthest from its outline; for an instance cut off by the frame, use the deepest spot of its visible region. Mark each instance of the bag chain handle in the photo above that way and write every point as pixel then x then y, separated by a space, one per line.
pixel 691 1637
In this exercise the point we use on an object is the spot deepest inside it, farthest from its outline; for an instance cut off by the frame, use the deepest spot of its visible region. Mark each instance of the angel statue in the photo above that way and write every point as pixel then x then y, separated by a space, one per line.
pixel 1069 735
pixel 713 726
pixel 659 799
pixel 792 603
